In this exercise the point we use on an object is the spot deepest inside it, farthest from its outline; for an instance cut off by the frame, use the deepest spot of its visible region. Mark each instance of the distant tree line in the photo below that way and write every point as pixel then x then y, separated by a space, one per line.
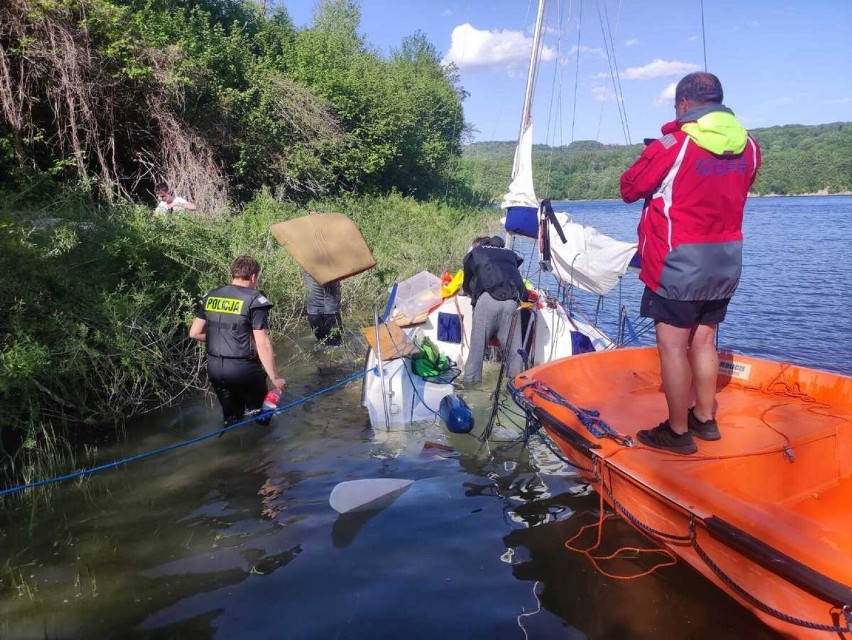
pixel 221 98
pixel 797 159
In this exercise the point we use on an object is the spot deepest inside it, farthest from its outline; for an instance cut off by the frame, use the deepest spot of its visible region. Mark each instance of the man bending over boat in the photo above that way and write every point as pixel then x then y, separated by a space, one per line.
pixel 495 286
pixel 233 322
pixel 695 180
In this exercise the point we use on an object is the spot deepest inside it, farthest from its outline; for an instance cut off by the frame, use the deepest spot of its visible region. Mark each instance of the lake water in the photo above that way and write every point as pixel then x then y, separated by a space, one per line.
pixel 793 299
pixel 234 538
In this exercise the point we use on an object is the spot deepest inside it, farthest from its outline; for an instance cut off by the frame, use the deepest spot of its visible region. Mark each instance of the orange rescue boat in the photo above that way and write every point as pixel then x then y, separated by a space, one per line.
pixel 765 512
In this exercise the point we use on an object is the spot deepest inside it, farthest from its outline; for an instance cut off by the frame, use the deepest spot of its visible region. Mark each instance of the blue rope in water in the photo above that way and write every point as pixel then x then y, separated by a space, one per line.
pixel 117 463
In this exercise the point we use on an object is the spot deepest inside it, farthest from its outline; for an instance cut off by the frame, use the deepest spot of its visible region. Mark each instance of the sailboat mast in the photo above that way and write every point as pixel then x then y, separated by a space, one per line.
pixel 536 47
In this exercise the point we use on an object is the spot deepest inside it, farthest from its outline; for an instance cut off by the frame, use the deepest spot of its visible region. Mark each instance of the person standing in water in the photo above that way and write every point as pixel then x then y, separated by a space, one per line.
pixel 233 321
pixel 496 288
pixel 323 307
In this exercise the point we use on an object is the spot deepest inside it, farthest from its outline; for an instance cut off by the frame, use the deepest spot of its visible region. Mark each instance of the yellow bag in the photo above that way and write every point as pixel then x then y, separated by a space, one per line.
pixel 450 287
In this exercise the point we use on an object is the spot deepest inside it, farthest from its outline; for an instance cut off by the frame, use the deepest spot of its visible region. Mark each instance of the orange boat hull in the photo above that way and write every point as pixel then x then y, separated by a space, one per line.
pixel 765 512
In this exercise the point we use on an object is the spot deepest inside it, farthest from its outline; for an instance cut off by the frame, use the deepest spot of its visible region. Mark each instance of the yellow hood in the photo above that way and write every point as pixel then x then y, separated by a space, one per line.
pixel 719 132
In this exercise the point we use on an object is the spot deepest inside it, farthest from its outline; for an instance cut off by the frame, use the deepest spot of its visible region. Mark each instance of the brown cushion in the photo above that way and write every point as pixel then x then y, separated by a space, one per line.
pixel 328 246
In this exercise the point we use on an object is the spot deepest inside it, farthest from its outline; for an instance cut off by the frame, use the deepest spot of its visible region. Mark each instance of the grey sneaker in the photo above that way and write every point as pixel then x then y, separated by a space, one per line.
pixel 707 430
pixel 662 437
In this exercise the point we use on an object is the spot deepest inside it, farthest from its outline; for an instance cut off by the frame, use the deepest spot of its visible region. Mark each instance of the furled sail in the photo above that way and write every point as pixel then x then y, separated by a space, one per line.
pixel 520 204
pixel 521 190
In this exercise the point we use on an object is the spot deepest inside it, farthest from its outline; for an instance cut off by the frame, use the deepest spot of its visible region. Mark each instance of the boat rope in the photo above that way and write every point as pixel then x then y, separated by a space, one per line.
pixel 589 418
pixel 692 539
pixel 531 613
pixel 618 554
pixel 149 454
pixel 408 373
pixel 656 533
pixel 556 452
pixel 846 611
pixel 595 476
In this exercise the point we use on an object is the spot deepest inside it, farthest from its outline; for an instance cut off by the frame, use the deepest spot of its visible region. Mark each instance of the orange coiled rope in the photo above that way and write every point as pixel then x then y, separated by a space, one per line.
pixel 596 560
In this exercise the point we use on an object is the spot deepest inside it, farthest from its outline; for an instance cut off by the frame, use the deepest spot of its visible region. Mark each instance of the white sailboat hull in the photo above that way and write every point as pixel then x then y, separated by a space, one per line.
pixel 403 397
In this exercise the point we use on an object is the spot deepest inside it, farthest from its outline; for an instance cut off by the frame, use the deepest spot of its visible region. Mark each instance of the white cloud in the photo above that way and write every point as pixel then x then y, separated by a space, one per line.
pixel 659 69
pixel 632 42
pixel 692 38
pixel 475 50
pixel 446 12
pixel 603 94
pixel 597 51
pixel 667 96
pixel 838 101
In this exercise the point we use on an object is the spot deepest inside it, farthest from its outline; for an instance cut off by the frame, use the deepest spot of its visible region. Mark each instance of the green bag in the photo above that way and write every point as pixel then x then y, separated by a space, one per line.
pixel 429 364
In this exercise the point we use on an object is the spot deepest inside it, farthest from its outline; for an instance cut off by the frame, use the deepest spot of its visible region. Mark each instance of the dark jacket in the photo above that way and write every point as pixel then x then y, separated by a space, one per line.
pixel 232 312
pixel 493 268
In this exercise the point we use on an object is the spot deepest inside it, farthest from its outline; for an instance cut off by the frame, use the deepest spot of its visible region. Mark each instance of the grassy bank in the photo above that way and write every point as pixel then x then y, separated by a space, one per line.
pixel 93 325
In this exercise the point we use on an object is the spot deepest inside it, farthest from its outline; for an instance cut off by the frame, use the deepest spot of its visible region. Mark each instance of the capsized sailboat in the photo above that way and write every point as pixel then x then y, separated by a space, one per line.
pixel 576 255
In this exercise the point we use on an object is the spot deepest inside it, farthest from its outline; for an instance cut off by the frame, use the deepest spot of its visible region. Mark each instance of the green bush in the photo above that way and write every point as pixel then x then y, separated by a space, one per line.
pixel 93 326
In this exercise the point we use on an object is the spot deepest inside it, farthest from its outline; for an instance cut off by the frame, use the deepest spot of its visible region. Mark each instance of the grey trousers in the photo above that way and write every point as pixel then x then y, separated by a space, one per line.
pixel 493 318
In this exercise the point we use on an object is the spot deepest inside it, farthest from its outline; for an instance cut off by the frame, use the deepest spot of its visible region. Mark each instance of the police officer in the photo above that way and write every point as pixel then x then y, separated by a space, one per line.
pixel 233 322
pixel 495 285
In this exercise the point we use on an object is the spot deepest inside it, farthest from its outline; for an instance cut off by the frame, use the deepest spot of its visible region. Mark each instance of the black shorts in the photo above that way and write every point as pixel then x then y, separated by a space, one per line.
pixel 684 314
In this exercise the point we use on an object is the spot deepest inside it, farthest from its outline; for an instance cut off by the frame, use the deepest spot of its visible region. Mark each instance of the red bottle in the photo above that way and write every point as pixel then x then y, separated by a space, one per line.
pixel 272 399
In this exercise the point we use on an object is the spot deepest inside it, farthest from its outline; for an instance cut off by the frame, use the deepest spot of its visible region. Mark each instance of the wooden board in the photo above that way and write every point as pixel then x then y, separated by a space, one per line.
pixel 393 341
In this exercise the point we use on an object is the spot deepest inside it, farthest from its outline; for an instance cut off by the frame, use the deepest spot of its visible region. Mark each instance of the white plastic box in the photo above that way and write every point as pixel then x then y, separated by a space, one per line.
pixel 417 294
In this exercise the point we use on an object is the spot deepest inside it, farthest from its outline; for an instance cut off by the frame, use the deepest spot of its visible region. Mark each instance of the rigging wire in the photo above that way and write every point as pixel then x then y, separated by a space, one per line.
pixel 554 115
pixel 609 46
pixel 577 71
pixel 615 64
pixel 703 36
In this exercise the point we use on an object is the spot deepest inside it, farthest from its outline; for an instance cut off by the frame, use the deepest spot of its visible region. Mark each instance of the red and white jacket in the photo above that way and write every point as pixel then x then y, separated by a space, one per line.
pixel 695 180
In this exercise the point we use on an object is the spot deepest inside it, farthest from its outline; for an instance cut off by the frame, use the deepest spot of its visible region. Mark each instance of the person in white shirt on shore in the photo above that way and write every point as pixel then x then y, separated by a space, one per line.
pixel 167 201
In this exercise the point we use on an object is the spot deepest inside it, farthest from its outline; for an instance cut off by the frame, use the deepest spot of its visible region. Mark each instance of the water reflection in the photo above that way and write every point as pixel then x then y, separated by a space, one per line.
pixel 234 538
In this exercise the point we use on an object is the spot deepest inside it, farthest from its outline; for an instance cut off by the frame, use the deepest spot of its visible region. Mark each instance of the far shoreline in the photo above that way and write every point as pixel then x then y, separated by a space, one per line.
pixel 496 203
pixel 796 195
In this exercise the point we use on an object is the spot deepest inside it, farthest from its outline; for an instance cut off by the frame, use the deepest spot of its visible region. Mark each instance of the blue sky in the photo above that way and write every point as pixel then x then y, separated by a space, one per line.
pixel 779 62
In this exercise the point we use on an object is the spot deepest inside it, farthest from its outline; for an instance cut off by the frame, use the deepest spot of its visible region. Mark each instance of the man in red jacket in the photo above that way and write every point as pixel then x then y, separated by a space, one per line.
pixel 695 180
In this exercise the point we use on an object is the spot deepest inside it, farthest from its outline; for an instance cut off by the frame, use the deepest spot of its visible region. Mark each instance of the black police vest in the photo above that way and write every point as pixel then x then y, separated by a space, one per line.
pixel 228 314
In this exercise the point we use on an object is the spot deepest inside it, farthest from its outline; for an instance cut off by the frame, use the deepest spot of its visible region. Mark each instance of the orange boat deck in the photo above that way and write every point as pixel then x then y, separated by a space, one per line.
pixel 782 471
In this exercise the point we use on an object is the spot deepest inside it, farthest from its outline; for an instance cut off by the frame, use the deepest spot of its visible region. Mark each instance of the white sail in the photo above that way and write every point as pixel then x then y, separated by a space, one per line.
pixel 521 190
pixel 588 259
